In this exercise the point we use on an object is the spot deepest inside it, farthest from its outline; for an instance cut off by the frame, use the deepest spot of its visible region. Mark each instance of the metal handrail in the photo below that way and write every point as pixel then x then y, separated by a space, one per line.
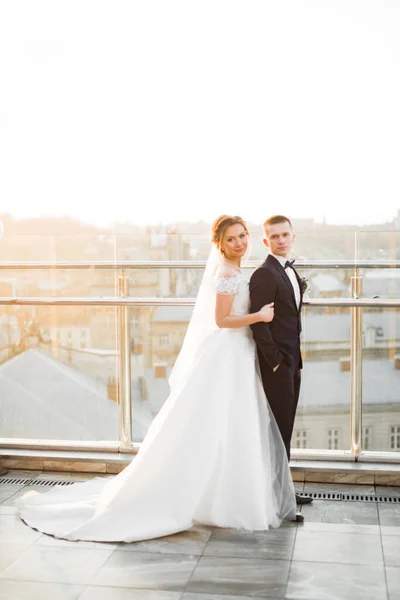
pixel 134 301
pixel 190 264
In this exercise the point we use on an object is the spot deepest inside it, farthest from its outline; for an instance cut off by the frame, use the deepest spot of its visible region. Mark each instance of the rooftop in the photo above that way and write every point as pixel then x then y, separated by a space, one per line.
pixel 344 551
pixel 41 397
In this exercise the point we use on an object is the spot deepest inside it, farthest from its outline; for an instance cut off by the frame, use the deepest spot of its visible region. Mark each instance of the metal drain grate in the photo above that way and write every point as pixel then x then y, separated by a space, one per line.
pixel 353 497
pixel 38 482
pixel 323 495
pixel 333 496
pixel 360 498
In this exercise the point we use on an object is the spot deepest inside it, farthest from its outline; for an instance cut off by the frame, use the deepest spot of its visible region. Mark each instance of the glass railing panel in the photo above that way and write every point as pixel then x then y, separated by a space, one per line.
pixel 318 242
pixel 321 243
pixel 129 243
pixel 323 416
pixel 57 282
pixel 58 373
pixel 164 283
pixel 157 336
pixel 57 247
pixel 380 283
pixel 324 243
pixel 378 245
pixel 381 380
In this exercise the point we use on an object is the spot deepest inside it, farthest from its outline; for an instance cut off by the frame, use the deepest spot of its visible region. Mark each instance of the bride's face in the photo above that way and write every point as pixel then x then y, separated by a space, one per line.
pixel 235 241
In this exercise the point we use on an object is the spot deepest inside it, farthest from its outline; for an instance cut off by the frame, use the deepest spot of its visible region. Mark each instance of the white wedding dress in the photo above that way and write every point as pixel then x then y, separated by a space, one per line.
pixel 213 455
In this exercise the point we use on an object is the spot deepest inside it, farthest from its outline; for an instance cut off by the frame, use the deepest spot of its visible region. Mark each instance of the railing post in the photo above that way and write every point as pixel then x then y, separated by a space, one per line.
pixel 356 367
pixel 124 338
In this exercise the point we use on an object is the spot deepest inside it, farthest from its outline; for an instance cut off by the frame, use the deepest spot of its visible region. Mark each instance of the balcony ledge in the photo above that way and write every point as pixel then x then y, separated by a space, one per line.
pixel 318 471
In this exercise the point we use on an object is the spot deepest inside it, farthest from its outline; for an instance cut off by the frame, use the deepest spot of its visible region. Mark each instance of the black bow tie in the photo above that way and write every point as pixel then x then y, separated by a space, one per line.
pixel 289 263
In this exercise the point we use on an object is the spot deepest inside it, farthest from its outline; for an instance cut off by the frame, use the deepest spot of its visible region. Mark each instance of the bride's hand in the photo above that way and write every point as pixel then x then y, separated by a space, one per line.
pixel 267 313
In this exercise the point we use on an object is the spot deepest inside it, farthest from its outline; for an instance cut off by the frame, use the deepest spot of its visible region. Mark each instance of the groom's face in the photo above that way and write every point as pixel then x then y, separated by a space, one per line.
pixel 279 239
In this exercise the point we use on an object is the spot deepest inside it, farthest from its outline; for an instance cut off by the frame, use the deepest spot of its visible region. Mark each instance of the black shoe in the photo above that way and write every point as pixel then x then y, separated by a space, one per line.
pixel 298 518
pixel 303 499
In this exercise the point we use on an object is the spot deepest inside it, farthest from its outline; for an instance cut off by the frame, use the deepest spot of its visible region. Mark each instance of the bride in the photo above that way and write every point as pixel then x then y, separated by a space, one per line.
pixel 213 455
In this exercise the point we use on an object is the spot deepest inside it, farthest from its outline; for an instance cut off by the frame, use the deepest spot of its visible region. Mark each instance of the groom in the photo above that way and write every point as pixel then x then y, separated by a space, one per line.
pixel 278 342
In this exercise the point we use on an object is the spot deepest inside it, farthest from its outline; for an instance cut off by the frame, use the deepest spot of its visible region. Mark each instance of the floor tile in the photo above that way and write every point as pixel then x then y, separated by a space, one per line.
pixel 32 590
pixel 57 565
pixel 319 581
pixel 289 525
pixel 389 514
pixel 391 550
pixel 317 546
pixel 22 491
pixel 6 491
pixel 8 510
pixel 273 544
pixel 387 490
pixel 240 576
pixel 113 593
pixel 50 541
pixel 14 531
pixel 146 570
pixel 390 530
pixel 21 474
pixel 187 542
pixel 189 596
pixel 9 553
pixel 339 528
pixel 66 476
pixel 393 582
pixel 363 513
pixel 341 488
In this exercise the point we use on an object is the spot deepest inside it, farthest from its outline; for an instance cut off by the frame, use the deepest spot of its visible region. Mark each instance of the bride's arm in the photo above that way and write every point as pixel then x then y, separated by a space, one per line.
pixel 224 319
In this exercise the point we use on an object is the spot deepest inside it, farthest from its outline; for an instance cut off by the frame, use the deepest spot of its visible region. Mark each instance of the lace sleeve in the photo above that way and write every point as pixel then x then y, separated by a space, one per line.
pixel 227 281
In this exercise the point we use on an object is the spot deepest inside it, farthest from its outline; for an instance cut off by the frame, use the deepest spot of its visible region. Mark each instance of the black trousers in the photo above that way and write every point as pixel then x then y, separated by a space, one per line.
pixel 282 389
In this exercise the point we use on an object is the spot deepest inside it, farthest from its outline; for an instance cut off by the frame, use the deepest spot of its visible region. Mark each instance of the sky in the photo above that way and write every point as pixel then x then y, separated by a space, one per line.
pixel 155 111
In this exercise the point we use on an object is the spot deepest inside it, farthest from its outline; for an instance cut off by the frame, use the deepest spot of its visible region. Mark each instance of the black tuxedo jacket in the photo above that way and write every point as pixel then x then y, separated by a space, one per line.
pixel 278 341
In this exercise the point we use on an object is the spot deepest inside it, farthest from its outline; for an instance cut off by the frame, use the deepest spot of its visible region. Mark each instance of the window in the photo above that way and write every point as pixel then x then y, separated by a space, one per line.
pixel 395 437
pixel 333 439
pixel 366 438
pixel 301 438
pixel 163 340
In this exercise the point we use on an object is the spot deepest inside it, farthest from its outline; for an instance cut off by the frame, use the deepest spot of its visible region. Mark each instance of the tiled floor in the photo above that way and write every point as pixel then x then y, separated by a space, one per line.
pixel 344 550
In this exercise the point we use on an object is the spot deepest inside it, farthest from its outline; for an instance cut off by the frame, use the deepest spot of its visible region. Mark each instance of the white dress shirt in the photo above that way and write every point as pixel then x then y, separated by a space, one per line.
pixel 292 277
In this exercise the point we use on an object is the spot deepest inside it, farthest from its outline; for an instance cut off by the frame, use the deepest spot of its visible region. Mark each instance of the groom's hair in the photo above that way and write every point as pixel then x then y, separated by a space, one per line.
pixel 275 220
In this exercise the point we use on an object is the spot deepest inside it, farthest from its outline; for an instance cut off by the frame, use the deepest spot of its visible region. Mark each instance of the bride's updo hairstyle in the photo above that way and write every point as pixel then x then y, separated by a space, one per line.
pixel 220 226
